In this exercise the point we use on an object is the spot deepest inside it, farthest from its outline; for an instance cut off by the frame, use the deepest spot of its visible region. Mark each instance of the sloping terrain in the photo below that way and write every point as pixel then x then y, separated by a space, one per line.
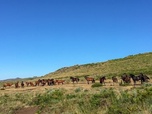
pixel 131 64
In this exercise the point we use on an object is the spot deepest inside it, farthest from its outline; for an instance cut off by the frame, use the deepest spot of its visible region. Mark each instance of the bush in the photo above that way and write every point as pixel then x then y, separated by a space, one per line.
pixel 146 84
pixel 2 88
pixel 96 85
pixel 79 89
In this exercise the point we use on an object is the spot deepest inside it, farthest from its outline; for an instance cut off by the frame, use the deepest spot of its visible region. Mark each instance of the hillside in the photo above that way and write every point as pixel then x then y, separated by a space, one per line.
pixel 130 64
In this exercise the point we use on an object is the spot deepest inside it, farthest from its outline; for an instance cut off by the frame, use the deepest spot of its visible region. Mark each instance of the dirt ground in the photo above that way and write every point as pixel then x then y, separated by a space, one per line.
pixel 28 110
pixel 67 86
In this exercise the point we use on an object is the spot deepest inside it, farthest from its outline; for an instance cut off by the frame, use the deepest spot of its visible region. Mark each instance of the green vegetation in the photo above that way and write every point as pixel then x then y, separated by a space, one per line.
pixel 96 101
pixel 130 64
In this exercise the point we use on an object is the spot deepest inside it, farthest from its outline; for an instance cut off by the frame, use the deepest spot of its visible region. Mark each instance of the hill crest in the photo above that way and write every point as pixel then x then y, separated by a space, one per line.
pixel 130 64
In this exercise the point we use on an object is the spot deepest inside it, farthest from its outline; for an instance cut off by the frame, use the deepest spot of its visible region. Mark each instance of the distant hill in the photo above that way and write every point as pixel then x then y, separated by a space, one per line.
pixel 11 79
pixel 17 79
pixel 131 64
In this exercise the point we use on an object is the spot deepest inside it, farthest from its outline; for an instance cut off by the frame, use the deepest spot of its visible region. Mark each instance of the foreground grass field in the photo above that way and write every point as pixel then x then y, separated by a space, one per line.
pixel 77 99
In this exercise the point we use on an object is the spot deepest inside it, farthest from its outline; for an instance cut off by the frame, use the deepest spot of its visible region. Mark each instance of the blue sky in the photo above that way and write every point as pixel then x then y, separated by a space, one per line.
pixel 40 36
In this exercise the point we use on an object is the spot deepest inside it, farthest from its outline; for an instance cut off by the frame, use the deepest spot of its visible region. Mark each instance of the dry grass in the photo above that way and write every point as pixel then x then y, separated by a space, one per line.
pixel 20 99
pixel 68 86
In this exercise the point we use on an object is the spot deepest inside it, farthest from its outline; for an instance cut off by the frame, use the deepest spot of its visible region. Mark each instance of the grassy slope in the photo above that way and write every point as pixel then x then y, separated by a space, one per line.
pixel 130 64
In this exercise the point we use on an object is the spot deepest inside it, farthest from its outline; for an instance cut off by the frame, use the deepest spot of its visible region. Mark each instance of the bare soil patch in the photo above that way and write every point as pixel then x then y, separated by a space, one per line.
pixel 28 110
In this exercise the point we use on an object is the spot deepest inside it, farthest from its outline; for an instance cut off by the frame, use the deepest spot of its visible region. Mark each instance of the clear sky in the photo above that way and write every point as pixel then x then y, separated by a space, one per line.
pixel 40 36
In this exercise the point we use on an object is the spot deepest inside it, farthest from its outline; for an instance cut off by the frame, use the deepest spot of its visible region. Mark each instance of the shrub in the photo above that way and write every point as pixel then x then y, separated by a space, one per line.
pixel 2 88
pixel 146 84
pixel 78 89
pixel 96 85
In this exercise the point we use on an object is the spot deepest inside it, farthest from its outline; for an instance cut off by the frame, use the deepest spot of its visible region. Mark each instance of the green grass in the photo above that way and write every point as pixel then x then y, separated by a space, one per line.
pixel 96 85
pixel 95 101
